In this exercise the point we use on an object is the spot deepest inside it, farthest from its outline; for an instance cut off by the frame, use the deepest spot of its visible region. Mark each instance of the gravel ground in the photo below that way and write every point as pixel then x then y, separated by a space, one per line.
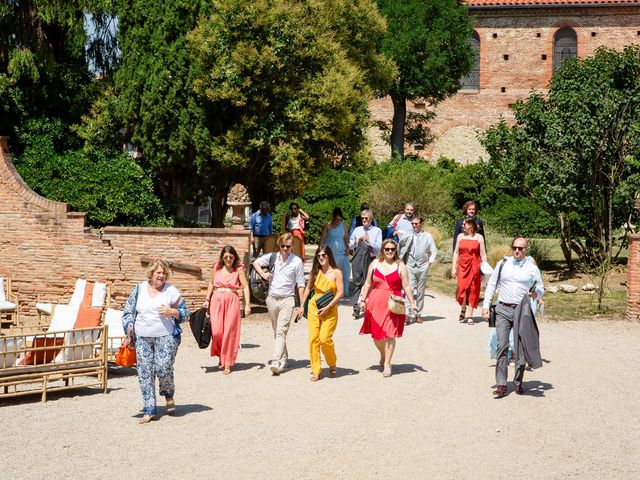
pixel 434 417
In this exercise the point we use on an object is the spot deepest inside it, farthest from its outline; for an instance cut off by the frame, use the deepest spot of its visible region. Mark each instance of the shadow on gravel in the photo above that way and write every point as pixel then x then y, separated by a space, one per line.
pixel 406 368
pixel 535 388
pixel 181 410
pixel 249 345
pixel 345 372
pixel 238 367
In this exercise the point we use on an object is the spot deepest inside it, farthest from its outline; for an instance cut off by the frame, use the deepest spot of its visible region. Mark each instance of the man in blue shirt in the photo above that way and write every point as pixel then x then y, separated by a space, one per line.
pixel 261 227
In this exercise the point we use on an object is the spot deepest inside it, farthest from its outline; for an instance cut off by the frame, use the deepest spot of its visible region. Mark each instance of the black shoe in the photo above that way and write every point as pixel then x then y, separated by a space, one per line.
pixel 356 314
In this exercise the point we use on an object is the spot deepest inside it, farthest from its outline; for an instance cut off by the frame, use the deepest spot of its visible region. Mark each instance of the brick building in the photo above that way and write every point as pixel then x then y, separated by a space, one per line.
pixel 518 43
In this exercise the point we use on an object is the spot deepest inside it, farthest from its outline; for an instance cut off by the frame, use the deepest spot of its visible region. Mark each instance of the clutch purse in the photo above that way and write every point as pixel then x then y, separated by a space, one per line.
pixel 492 315
pixel 325 299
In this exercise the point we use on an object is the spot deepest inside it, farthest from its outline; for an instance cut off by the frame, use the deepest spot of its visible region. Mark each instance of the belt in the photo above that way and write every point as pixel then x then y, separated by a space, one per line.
pixel 510 305
pixel 280 298
pixel 226 290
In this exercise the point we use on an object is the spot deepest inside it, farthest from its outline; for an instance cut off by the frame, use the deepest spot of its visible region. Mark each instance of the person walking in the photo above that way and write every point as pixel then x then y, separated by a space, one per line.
pixel 325 277
pixel 365 242
pixel 465 266
pixel 402 221
pixel 520 280
pixel 469 209
pixel 357 220
pixel 387 276
pixel 334 235
pixel 152 315
pixel 294 223
pixel 224 307
pixel 261 228
pixel 287 276
pixel 418 251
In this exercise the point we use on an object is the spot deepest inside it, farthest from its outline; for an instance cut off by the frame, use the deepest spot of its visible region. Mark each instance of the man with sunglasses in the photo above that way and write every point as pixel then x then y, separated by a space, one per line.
pixel 418 251
pixel 287 275
pixel 519 278
pixel 365 243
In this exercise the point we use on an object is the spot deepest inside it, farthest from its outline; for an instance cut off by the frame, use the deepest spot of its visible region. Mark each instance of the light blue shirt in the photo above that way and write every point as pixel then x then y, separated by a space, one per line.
pixel 375 238
pixel 516 279
pixel 260 225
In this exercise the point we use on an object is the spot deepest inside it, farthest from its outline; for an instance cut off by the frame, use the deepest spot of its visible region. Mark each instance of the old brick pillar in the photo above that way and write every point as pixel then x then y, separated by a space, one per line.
pixel 633 278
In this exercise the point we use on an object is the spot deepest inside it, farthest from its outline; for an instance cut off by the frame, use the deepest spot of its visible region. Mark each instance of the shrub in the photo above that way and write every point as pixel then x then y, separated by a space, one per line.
pixel 519 216
pixel 540 251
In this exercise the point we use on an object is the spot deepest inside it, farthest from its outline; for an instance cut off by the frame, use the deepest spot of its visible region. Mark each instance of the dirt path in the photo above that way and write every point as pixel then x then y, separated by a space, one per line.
pixel 434 418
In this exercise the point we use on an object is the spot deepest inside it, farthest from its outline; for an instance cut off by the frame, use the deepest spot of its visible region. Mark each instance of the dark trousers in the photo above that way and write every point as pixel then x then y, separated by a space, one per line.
pixel 504 324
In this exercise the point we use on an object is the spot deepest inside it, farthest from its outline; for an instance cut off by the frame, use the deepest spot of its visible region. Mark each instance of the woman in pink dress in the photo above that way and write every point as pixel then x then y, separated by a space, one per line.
pixel 224 307
pixel 465 265
pixel 387 275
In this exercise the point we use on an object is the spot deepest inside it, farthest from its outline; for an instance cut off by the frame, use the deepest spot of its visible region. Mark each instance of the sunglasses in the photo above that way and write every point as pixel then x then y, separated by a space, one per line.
pixel 321 255
pixel 389 249
pixel 415 223
pixel 365 218
pixel 285 246
pixel 513 247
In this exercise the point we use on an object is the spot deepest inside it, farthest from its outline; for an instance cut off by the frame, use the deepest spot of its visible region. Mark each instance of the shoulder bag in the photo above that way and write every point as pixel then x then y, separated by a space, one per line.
pixel 492 307
pixel 395 304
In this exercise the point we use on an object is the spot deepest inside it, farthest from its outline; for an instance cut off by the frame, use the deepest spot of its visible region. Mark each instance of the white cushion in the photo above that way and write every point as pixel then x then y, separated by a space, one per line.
pixel 78 292
pixel 3 298
pixel 7 306
pixel 99 294
pixel 64 318
pixel 44 308
pixel 8 359
pixel 84 352
pixel 113 319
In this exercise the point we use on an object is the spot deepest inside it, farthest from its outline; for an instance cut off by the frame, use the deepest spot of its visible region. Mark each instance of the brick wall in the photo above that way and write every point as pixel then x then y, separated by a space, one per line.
pixel 633 278
pixel 45 248
pixel 524 35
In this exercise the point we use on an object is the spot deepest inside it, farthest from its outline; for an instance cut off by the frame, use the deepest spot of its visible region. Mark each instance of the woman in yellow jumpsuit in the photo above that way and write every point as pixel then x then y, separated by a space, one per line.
pixel 325 276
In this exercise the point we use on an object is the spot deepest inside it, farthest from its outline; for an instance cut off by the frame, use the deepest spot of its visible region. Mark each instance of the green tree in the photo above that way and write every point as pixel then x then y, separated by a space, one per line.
pixel 285 86
pixel 575 151
pixel 427 41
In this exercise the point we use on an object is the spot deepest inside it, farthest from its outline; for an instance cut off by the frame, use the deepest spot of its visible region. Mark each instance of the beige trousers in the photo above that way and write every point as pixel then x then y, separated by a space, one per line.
pixel 281 312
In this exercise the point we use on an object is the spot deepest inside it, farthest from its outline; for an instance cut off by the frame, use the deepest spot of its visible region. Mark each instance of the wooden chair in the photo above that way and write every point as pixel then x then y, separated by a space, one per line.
pixel 9 305
pixel 85 294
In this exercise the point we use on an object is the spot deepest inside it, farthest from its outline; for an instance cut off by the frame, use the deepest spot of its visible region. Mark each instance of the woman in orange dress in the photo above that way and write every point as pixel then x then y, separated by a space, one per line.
pixel 294 223
pixel 224 307
pixel 465 265
pixel 387 275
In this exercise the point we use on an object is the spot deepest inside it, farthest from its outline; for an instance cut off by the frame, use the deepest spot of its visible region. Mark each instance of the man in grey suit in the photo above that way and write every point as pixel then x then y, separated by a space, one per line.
pixel 520 279
pixel 418 251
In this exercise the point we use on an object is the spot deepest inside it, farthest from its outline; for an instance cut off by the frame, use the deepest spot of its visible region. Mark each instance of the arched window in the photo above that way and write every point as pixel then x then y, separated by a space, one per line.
pixel 565 45
pixel 471 81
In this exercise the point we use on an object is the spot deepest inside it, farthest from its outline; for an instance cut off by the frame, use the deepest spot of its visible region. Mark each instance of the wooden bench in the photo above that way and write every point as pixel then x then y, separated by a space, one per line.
pixel 53 362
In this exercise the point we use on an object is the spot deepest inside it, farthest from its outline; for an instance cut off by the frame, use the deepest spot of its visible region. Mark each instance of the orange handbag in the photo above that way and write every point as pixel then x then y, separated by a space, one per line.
pixel 126 356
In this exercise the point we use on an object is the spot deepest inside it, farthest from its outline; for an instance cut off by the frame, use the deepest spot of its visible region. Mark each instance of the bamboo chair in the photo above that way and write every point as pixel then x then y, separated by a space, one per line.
pixel 9 305
pixel 85 294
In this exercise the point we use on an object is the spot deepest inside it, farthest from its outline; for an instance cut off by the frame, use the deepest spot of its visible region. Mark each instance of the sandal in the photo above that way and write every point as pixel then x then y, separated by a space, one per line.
pixel 315 377
pixel 332 371
pixel 227 370
pixel 461 317
pixel 145 419
pixel 171 406
pixel 386 373
pixel 470 321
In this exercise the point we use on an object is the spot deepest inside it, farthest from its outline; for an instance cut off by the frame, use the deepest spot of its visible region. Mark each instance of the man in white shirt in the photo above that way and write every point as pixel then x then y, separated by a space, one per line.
pixel 365 243
pixel 418 251
pixel 519 277
pixel 287 275
pixel 402 221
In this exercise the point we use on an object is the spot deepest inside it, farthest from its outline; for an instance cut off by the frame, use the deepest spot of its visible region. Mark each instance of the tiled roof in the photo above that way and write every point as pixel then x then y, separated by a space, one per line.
pixel 531 3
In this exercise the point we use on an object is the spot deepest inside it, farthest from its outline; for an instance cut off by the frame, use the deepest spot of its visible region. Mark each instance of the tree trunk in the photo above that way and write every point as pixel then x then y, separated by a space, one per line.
pixel 397 127
pixel 565 240
pixel 218 207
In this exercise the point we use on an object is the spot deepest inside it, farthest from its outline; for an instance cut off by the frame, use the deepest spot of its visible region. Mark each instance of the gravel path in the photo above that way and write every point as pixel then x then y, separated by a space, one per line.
pixel 434 418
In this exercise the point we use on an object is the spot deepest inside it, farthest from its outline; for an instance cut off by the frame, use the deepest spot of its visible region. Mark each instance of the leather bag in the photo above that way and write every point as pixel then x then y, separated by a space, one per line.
pixel 200 324
pixel 126 356
pixel 325 299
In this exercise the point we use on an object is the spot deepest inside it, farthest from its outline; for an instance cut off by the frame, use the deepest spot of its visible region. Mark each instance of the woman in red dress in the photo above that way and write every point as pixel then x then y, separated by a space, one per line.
pixel 224 307
pixel 465 265
pixel 387 275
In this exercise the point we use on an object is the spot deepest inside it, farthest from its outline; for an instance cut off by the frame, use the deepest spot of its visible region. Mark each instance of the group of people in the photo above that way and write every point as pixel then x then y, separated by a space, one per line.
pixel 389 277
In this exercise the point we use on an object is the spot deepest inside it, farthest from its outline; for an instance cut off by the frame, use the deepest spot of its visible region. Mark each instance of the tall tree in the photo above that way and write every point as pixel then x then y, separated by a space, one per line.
pixel 285 85
pixel 428 42
pixel 576 151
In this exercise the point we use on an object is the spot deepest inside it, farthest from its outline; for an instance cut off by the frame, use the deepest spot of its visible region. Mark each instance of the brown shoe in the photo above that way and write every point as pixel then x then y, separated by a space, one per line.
pixel 500 392
pixel 519 389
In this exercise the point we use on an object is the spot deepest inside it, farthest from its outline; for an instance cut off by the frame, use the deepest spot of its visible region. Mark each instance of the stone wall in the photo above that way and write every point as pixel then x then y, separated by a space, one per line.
pixel 633 278
pixel 45 248
pixel 516 57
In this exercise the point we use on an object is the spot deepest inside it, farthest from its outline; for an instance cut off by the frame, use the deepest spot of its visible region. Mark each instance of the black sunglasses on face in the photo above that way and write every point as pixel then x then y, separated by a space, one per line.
pixel 285 246
pixel 513 247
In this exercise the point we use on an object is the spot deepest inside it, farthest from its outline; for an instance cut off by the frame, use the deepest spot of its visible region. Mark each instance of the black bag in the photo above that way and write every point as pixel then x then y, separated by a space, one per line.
pixel 201 327
pixel 325 299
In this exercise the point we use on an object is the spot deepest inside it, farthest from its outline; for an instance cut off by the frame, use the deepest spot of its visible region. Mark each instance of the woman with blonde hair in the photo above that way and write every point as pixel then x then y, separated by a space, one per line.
pixel 387 275
pixel 151 318
pixel 224 307
pixel 323 320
